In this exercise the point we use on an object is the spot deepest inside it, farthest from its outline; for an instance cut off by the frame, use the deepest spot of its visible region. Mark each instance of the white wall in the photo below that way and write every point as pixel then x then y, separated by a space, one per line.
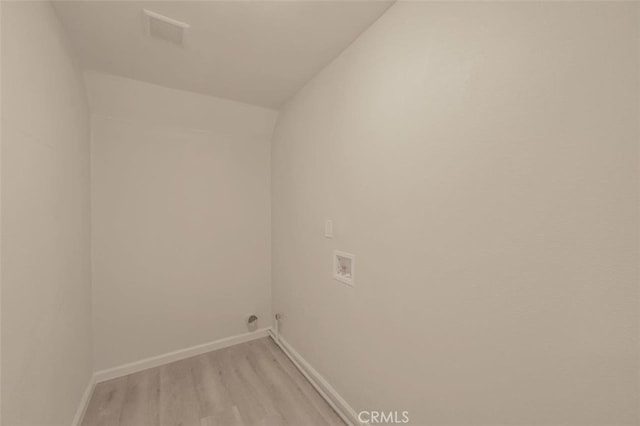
pixel 480 160
pixel 180 218
pixel 46 288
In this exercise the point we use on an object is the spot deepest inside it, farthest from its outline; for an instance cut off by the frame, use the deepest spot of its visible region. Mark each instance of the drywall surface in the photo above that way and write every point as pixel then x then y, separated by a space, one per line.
pixel 180 218
pixel 46 283
pixel 481 162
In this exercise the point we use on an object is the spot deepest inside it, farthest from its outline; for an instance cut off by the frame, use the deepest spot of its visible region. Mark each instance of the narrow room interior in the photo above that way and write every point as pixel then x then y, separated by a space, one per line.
pixel 270 213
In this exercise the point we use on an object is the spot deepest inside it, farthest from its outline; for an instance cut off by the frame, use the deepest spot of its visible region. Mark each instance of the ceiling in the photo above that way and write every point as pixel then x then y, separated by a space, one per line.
pixel 258 52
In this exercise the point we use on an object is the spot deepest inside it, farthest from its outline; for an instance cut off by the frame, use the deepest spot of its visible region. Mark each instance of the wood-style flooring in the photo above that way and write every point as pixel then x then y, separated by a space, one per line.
pixel 251 384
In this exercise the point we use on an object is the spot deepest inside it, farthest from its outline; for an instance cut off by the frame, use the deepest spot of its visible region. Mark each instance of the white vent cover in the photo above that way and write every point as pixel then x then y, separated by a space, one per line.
pixel 164 28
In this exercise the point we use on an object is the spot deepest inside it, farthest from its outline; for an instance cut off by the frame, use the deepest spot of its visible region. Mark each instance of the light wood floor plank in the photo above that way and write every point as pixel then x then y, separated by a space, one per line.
pixel 252 384
pixel 178 401
pixel 243 395
pixel 318 402
pixel 106 403
pixel 297 409
pixel 140 406
pixel 227 417
pixel 212 394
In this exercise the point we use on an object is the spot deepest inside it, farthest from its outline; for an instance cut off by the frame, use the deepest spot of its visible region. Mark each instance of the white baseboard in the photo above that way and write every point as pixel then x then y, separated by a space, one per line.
pixel 333 398
pixel 155 361
pixel 84 401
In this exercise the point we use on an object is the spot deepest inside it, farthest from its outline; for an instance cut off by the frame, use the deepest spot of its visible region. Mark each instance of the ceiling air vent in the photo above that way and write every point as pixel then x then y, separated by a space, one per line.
pixel 164 28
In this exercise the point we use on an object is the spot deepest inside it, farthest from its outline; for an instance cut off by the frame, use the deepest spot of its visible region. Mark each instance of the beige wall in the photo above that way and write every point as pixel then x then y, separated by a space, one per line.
pixel 46 289
pixel 181 218
pixel 481 162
